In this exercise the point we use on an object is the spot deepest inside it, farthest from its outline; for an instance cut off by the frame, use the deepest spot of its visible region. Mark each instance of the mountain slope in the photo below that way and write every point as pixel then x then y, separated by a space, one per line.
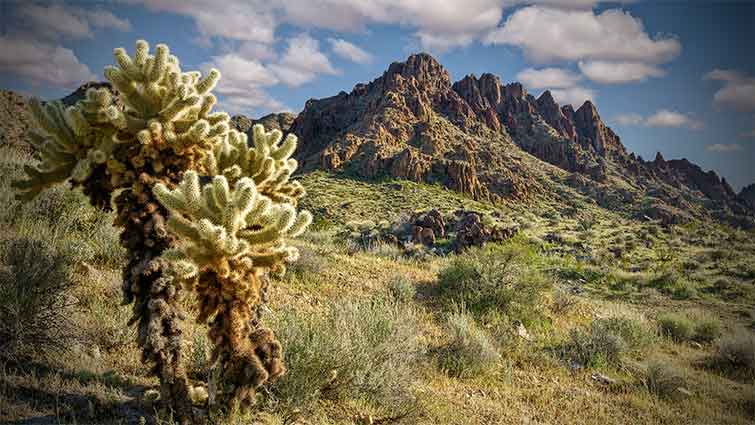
pixel 496 141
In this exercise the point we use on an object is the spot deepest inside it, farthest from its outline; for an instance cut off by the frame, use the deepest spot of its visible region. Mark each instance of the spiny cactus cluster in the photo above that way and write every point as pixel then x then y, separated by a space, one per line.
pixel 217 220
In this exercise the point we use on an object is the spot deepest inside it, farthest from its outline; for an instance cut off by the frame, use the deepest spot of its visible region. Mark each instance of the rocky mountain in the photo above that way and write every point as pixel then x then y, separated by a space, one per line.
pixel 414 123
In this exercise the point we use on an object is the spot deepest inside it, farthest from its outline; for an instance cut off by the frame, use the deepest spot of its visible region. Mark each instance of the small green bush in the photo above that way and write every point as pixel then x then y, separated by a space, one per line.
pixel 35 306
pixel 402 289
pixel 663 379
pixel 357 349
pixel 707 329
pixel 471 351
pixel 677 327
pixel 738 350
pixel 497 281
pixel 682 328
pixel 606 340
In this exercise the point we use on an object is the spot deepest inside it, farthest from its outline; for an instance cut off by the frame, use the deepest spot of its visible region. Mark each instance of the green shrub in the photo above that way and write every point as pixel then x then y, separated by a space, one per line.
pixel 738 350
pixel 707 329
pixel 677 327
pixel 682 328
pixel 499 280
pixel 357 349
pixel 35 308
pixel 605 341
pixel 402 289
pixel 663 379
pixel 471 351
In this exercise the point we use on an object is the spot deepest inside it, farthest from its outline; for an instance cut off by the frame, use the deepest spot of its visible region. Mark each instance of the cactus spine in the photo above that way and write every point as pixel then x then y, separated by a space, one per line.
pixel 156 129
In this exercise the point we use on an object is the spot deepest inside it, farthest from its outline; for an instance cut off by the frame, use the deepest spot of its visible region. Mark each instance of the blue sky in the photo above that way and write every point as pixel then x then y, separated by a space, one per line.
pixel 675 77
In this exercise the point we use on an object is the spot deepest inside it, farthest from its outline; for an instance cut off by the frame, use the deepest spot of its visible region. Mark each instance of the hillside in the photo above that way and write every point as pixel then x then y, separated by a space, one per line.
pixel 496 141
pixel 616 291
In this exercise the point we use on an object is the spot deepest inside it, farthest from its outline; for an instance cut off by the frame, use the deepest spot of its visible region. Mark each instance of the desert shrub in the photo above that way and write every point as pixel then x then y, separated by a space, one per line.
pixel 706 328
pixel 606 340
pixel 681 328
pixel 356 349
pixel 402 289
pixel 308 266
pixel 676 326
pixel 498 280
pixel 471 350
pixel 385 250
pixel 738 350
pixel 562 302
pixel 682 290
pixel 663 379
pixel 35 307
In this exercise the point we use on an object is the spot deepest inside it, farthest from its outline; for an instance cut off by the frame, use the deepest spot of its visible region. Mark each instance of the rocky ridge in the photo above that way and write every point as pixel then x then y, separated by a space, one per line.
pixel 414 123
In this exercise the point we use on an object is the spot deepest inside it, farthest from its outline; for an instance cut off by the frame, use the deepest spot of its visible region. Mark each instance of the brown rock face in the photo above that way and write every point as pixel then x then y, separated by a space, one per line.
pixel 15 120
pixel 411 123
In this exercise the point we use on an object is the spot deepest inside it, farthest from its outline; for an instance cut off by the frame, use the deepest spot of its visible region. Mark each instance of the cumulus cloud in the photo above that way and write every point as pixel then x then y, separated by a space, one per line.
pixel 723 147
pixel 547 34
pixel 661 118
pixel 349 51
pixel 58 20
pixel 302 62
pixel 244 77
pixel 42 63
pixel 607 72
pixel 547 78
pixel 437 25
pixel 738 91
pixel 669 118
pixel 251 20
pixel 573 95
pixel 628 119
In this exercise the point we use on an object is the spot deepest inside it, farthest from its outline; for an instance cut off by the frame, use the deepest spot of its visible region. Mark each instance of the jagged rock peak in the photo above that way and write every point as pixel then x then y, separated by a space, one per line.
pixel 588 112
pixel 480 94
pixel 422 66
pixel 546 100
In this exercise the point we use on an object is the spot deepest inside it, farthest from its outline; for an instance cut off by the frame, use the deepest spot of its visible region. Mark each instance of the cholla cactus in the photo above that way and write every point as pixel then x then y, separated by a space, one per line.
pixel 155 125
pixel 230 237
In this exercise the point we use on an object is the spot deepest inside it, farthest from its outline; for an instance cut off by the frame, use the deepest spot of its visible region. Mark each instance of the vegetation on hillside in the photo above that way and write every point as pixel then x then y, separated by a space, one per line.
pixel 374 334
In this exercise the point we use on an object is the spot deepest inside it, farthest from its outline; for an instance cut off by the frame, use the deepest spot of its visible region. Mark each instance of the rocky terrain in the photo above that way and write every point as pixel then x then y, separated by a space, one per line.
pixel 414 123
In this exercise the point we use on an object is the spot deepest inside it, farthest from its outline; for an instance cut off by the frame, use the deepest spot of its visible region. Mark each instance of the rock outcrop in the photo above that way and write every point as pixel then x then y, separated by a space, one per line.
pixel 410 123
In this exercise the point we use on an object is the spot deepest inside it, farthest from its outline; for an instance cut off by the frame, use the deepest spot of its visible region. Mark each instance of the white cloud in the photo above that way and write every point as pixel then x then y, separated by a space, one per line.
pixel 669 118
pixel 58 20
pixel 349 51
pixel 738 91
pixel 251 20
pixel 302 62
pixel 42 63
pixel 245 77
pixel 723 147
pixel 438 25
pixel 661 118
pixel 547 78
pixel 573 95
pixel 629 119
pixel 607 72
pixel 547 34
